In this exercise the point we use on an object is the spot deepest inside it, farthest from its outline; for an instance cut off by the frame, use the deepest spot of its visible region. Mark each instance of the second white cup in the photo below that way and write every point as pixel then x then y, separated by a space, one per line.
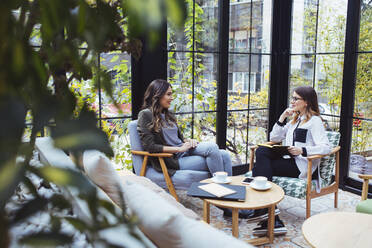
pixel 260 181
pixel 220 176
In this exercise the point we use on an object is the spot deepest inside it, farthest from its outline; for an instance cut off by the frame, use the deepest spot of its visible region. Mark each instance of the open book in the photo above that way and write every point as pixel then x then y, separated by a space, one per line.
pixel 216 189
pixel 279 149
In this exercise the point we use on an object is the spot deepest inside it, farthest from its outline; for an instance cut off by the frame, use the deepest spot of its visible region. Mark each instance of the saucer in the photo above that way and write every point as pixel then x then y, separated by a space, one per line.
pixel 228 180
pixel 266 187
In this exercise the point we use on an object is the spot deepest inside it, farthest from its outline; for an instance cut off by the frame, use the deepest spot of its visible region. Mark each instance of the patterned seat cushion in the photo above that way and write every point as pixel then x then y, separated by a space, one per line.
pixel 327 164
pixel 295 187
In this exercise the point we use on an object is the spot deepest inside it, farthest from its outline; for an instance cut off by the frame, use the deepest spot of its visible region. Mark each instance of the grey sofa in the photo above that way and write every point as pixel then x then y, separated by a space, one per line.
pixel 163 221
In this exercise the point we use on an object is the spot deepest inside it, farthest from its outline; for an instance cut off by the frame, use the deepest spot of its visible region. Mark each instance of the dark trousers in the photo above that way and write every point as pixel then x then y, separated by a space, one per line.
pixel 269 164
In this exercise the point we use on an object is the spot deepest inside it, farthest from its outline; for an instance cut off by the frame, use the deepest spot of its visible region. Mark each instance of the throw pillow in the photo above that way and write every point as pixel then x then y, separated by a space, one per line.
pixel 155 215
pixel 167 227
pixel 99 169
pixel 125 176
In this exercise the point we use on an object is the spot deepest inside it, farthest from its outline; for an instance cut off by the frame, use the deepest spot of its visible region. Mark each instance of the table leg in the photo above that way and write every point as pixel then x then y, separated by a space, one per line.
pixel 235 222
pixel 270 224
pixel 206 211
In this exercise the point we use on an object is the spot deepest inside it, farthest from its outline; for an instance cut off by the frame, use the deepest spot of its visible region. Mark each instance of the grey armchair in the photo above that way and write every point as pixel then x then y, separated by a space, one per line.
pixel 182 179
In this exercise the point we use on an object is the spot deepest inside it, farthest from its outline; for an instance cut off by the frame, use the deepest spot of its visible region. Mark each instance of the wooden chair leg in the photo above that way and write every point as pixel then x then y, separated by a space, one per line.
pixel 308 206
pixel 251 159
pixel 336 198
pixel 144 166
pixel 168 180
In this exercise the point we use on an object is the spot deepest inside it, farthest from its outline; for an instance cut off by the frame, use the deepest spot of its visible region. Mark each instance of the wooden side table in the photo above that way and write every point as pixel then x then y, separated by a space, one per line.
pixel 254 200
pixel 339 229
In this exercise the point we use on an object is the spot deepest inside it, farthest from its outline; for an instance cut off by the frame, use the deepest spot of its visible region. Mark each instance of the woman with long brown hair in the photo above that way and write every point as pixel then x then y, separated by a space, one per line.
pixel 159 132
pixel 304 134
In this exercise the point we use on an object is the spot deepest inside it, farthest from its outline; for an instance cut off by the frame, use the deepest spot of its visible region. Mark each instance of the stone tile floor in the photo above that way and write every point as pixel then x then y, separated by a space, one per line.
pixel 293 212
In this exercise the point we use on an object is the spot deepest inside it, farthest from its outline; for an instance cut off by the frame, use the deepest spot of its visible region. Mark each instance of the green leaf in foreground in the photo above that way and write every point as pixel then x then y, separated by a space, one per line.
pixel 67 177
pixel 11 175
pixel 46 239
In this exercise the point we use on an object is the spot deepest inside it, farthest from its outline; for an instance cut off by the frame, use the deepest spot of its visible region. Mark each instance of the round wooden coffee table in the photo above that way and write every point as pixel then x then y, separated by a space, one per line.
pixel 254 200
pixel 339 229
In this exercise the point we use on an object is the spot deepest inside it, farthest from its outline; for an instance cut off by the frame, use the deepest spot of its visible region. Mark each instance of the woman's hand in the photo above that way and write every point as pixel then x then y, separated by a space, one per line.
pixel 286 113
pixel 194 143
pixel 294 150
pixel 185 147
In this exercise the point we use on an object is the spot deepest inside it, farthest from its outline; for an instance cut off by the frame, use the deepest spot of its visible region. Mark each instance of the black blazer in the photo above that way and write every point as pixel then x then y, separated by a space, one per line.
pixel 153 142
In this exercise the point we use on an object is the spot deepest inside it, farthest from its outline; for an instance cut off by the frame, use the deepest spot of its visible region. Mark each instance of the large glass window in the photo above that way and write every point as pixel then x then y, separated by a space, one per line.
pixel 361 157
pixel 192 62
pixel 317 53
pixel 112 117
pixel 249 61
pixel 192 70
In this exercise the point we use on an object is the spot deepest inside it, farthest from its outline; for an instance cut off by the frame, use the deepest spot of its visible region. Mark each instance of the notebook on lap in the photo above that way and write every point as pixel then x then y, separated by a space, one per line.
pixel 238 195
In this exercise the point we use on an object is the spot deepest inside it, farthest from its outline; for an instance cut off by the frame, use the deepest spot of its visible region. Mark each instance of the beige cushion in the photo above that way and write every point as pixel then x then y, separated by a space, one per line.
pixel 128 176
pixel 119 234
pixel 192 233
pixel 166 226
pixel 100 170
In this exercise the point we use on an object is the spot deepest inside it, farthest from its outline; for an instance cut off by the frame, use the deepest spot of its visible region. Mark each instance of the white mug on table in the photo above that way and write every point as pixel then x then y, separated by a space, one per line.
pixel 220 176
pixel 260 181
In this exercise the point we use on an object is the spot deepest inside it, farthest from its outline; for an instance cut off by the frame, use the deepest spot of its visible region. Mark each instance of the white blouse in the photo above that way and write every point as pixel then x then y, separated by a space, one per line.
pixel 315 141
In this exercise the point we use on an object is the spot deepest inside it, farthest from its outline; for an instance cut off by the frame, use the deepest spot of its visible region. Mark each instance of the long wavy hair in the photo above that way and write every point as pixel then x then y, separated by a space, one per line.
pixel 309 95
pixel 154 92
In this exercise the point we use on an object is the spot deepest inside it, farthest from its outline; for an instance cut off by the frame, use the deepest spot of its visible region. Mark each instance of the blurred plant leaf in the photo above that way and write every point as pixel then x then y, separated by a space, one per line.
pixel 29 208
pixel 4 237
pixel 150 15
pixel 176 12
pixel 81 134
pixel 12 124
pixel 67 177
pixel 77 223
pixel 30 186
pixel 59 201
pixel 46 239
pixel 109 206
pixel 11 174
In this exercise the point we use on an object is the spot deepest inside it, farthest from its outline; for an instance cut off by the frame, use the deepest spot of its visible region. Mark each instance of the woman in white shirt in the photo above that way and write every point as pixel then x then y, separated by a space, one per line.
pixel 304 134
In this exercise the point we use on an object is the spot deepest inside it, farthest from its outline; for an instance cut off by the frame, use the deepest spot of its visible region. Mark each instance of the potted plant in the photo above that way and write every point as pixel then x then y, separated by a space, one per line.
pixel 35 82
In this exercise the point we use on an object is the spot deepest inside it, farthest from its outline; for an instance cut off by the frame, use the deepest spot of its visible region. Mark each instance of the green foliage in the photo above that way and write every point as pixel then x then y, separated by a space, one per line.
pixel 49 77
pixel 187 75
pixel 330 38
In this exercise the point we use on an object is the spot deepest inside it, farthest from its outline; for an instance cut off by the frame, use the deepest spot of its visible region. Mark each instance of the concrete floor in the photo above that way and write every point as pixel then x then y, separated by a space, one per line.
pixel 292 213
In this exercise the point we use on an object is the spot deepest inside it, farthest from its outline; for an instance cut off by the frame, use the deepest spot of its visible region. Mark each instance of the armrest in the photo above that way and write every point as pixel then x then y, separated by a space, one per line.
pixel 143 153
pixel 334 150
pixel 365 176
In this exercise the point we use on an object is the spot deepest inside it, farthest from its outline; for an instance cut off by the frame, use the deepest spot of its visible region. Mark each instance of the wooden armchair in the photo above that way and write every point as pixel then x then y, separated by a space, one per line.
pixel 164 169
pixel 306 189
pixel 365 206
pixel 182 179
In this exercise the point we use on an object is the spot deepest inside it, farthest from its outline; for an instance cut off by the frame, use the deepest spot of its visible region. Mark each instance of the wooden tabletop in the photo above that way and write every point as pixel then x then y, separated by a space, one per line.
pixel 339 229
pixel 254 199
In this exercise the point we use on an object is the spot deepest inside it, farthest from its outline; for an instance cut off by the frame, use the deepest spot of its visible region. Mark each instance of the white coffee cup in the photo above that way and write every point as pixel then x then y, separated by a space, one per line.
pixel 260 181
pixel 220 176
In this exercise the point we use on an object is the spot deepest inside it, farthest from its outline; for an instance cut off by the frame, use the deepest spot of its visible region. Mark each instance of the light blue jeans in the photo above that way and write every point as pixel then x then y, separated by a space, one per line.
pixel 206 157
